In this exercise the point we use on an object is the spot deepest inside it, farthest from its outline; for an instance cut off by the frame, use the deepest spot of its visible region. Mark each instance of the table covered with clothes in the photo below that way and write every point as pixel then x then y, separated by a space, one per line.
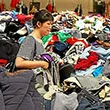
pixel 78 77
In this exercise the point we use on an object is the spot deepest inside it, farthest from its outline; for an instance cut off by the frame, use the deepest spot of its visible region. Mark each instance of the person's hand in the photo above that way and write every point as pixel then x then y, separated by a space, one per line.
pixel 45 64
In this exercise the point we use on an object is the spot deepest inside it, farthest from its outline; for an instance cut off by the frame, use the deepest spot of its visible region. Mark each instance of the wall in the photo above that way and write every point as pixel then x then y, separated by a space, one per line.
pixel 61 5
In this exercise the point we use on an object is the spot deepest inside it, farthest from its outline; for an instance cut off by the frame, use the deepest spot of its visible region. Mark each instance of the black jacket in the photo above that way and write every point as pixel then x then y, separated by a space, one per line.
pixel 18 93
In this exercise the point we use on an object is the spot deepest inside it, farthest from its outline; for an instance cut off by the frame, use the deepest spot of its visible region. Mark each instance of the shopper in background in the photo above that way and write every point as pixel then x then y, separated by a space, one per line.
pixel 76 9
pixel 14 3
pixel 80 10
pixel 100 7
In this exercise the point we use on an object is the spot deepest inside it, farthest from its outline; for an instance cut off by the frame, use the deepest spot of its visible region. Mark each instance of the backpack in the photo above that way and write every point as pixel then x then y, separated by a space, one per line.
pixel 9 49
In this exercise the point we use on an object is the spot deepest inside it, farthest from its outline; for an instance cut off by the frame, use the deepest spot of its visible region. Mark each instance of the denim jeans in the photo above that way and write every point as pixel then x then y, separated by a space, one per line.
pixel 47 104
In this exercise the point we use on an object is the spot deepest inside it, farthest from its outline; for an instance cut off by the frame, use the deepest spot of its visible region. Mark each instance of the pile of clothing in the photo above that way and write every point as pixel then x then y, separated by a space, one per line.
pixel 78 49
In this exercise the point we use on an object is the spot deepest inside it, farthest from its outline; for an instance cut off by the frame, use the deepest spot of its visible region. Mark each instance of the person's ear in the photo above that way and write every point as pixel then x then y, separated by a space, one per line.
pixel 38 24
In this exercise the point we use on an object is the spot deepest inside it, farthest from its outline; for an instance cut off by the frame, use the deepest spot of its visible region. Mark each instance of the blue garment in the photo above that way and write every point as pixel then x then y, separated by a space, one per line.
pixel 101 50
pixel 85 53
pixel 29 26
pixel 103 53
pixel 89 70
pixel 47 104
pixel 21 39
pixel 98 71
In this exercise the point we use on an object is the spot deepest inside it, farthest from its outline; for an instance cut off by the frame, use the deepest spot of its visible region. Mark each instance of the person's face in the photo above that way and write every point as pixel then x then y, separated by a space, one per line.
pixel 45 28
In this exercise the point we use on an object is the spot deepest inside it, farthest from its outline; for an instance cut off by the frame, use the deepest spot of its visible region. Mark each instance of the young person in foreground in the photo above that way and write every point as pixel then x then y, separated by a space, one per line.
pixel 32 45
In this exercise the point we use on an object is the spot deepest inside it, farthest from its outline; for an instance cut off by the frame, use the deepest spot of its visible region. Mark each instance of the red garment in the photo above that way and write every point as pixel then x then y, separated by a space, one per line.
pixel 2 6
pixel 53 39
pixel 13 3
pixel 23 18
pixel 83 64
pixel 73 40
pixel 3 62
pixel 49 7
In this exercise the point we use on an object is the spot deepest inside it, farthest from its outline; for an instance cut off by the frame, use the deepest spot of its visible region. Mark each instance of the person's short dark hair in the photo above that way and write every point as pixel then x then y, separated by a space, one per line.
pixel 42 16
